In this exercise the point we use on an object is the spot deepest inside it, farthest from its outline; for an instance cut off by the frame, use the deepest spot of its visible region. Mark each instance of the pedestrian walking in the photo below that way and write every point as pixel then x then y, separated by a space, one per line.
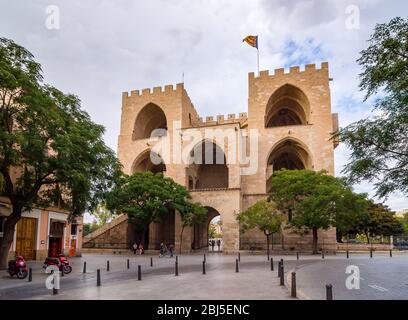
pixel 212 244
pixel 161 250
pixel 141 249
pixel 171 250
pixel 219 244
pixel 134 248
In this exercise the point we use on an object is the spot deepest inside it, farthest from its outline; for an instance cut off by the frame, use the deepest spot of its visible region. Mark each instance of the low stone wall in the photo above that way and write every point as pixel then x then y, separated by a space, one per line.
pixel 115 251
pixel 363 247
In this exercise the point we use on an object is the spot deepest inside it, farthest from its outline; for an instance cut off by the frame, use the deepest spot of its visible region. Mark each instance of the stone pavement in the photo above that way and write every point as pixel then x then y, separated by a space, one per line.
pixel 255 280
pixel 382 277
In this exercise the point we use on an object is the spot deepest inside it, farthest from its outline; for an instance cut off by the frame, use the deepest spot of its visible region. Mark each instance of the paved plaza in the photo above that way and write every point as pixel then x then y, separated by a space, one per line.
pixel 382 277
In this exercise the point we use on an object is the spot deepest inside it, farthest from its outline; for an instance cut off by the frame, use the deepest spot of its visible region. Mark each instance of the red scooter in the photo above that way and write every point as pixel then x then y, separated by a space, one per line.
pixel 61 262
pixel 18 267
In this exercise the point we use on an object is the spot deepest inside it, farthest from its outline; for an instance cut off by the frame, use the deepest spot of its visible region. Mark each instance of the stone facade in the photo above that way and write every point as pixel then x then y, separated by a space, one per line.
pixel 290 111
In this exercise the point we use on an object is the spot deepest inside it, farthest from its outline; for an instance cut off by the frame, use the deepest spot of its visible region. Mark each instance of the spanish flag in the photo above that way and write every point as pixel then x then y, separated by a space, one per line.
pixel 252 41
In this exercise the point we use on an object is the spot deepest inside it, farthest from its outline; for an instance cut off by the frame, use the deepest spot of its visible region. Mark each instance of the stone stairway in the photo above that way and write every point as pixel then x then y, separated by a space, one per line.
pixel 118 220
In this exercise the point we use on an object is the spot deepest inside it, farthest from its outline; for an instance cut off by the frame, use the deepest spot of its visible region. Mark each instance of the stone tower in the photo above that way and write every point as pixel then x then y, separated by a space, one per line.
pixel 289 111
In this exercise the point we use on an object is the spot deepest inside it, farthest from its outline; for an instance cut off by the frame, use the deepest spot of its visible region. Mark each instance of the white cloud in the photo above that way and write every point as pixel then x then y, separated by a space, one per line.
pixel 106 47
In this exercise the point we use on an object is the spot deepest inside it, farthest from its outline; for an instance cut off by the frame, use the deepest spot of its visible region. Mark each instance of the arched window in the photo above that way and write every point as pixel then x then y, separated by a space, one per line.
pixel 287 106
pixel 208 166
pixel 150 118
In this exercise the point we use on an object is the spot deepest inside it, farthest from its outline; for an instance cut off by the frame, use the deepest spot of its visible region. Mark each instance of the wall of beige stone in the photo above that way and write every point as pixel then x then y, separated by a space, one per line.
pixel 115 237
pixel 244 190
pixel 228 204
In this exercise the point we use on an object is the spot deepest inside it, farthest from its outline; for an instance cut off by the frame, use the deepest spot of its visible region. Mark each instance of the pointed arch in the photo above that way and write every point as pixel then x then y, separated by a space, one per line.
pixel 288 105
pixel 149 118
pixel 148 161
pixel 288 153
pixel 208 168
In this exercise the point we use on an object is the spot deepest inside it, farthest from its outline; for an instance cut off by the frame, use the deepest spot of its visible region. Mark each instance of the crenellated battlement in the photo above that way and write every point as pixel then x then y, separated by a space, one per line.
pixel 155 92
pixel 308 68
pixel 222 119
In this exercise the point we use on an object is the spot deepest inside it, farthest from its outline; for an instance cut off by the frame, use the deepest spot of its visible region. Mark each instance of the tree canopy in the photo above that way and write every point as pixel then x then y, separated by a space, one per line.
pixel 264 216
pixel 51 153
pixel 379 145
pixel 313 200
pixel 379 220
pixel 147 197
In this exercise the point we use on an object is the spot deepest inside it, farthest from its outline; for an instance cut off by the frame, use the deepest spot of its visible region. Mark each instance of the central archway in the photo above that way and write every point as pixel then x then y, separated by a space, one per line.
pixel 201 231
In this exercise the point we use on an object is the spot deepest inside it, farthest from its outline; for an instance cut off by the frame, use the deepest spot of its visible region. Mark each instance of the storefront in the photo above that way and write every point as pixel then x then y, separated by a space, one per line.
pixel 42 233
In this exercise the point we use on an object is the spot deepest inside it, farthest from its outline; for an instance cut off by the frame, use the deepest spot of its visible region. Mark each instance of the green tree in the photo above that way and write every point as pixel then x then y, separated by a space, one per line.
pixel 404 222
pixel 147 197
pixel 51 153
pixel 379 145
pixel 311 199
pixel 350 209
pixel 380 221
pixel 102 215
pixel 211 231
pixel 89 228
pixel 262 215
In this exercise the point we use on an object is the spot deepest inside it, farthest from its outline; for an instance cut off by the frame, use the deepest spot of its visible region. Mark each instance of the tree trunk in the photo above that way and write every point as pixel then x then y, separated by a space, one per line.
pixel 8 236
pixel 181 238
pixel 367 236
pixel 314 231
pixel 339 236
pixel 267 244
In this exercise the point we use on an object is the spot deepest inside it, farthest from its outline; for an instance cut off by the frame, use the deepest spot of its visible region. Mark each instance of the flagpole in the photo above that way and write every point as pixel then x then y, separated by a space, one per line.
pixel 257 50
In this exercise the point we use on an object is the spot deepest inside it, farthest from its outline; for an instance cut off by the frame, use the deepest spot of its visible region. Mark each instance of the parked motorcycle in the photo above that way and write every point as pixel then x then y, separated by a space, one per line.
pixel 61 262
pixel 18 267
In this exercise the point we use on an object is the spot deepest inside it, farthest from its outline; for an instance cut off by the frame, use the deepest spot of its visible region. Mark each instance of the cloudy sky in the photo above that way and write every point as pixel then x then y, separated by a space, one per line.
pixel 103 48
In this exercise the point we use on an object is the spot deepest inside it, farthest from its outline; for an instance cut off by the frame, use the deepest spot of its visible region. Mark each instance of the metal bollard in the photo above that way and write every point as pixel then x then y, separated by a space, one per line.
pixel 279 268
pixel 236 266
pixel 128 264
pixel 322 254
pixel 239 256
pixel 203 267
pixel 151 261
pixel 371 253
pixel 347 254
pixel 30 275
pixel 62 272
pixel 98 277
pixel 176 268
pixel 107 265
pixel 390 253
pixel 84 268
pixel 282 276
pixel 177 259
pixel 139 272
pixel 329 292
pixel 271 264
pixel 297 255
pixel 293 286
